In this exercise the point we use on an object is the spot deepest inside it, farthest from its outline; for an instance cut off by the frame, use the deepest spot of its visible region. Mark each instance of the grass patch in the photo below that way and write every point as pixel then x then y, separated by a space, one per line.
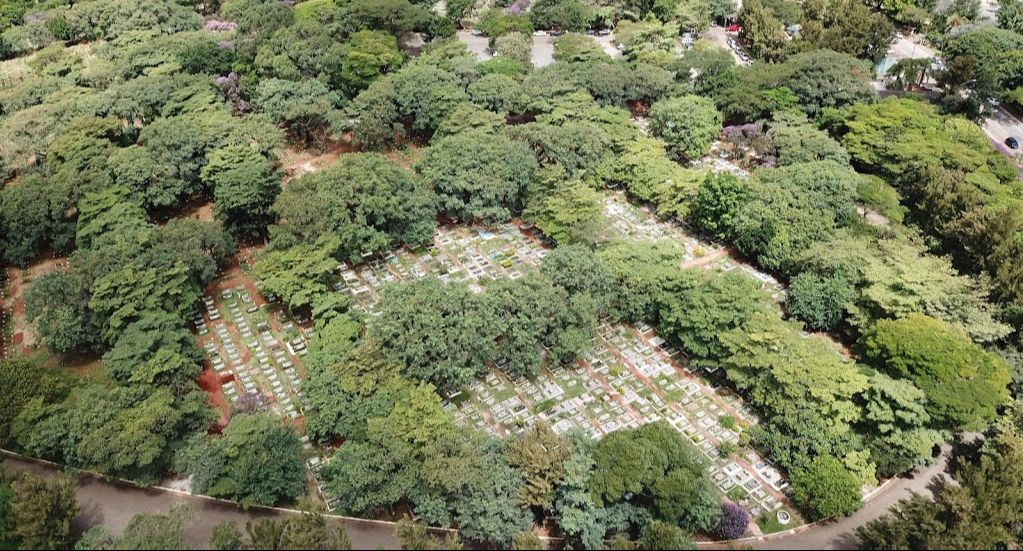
pixel 574 391
pixel 545 405
pixel 768 522
pixel 505 394
pixel 737 493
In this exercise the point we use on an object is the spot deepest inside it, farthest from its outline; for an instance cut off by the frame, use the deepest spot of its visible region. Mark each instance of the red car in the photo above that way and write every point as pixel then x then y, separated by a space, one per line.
pixel 733 28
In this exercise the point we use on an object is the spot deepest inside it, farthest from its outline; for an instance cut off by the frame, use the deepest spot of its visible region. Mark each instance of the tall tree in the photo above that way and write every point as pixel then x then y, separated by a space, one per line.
pixel 42 510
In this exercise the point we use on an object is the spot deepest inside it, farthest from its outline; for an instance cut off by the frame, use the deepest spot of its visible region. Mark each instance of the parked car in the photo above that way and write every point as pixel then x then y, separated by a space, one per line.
pixel 477 32
pixel 604 32
pixel 898 34
pixel 733 28
pixel 540 33
pixel 1013 143
pixel 994 102
pixel 557 33
pixel 590 32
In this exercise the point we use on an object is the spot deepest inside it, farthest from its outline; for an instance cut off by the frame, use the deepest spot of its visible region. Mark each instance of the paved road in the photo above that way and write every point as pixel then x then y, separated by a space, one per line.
pixel 543 47
pixel 113 504
pixel 904 48
pixel 719 36
pixel 841 534
pixel 1002 124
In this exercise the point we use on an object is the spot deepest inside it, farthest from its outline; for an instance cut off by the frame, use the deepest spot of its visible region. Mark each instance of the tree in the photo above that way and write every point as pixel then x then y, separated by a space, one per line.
pixel 153 531
pixel 705 310
pixel 577 48
pixel 567 212
pixel 851 28
pixel 477 176
pixel 659 535
pixel 660 470
pixel 435 330
pixel 717 201
pixel 299 274
pixel 257 461
pixel 245 185
pixel 426 95
pixel 156 338
pixel 42 510
pixel 347 395
pixel 495 92
pixel 516 46
pixel 976 512
pixel 964 383
pixel 528 313
pixel 98 537
pixel 689 124
pixel 307 108
pixel 375 111
pixel 469 116
pixel 23 383
pixel 226 536
pixel 527 540
pixel 568 15
pixel 413 535
pixel 32 217
pixel 818 301
pixel 762 31
pixel 397 17
pixel 896 416
pixel 367 200
pixel 732 523
pixel 578 269
pixel 826 488
pixel 540 454
pixel 58 303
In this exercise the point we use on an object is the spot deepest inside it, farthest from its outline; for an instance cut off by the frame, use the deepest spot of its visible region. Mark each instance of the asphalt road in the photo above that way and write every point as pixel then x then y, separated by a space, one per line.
pixel 114 504
pixel 1002 124
pixel 841 534
pixel 543 47
pixel 904 48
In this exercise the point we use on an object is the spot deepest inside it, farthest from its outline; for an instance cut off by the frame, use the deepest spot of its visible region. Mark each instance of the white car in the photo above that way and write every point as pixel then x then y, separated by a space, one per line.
pixel 540 33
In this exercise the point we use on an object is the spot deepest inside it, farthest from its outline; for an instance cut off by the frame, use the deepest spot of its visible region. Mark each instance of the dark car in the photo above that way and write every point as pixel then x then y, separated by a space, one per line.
pixel 1013 143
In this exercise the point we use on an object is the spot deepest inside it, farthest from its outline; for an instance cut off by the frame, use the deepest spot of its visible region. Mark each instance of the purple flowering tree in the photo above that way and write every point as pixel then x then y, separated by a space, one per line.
pixel 251 402
pixel 732 523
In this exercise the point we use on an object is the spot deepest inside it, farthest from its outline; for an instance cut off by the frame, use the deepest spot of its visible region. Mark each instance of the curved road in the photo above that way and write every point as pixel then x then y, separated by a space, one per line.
pixel 113 504
pixel 841 534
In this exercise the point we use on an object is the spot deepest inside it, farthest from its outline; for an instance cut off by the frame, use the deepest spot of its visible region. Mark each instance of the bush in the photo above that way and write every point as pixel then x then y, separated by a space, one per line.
pixel 727 448
pixel 727 421
pixel 732 524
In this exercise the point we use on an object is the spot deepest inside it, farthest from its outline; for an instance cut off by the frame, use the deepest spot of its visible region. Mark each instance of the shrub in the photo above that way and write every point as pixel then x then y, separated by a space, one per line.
pixel 732 523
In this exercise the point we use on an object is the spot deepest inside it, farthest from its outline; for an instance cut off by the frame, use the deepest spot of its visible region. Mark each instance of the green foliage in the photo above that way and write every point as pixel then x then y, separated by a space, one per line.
pixel 540 455
pixel 426 95
pixel 659 535
pixel 660 469
pixel 257 461
pixel 705 310
pixel 689 124
pixel 496 23
pixel 155 531
pixel 32 218
pixel 245 185
pixel 366 200
pixel 975 512
pixel 413 535
pixel 826 488
pixel 42 511
pixel 567 210
pixel 578 269
pixel 514 45
pixel 307 108
pixel 964 383
pixel 896 416
pixel 478 176
pixel 299 274
pixel 818 301
pixel 577 48
pixel 495 92
pixel 156 339
pixel 568 15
